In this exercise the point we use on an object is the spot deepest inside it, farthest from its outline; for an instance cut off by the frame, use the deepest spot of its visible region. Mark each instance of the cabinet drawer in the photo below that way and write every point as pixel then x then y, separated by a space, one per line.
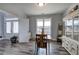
pixel 71 46
pixel 74 49
pixel 74 45
pixel 67 46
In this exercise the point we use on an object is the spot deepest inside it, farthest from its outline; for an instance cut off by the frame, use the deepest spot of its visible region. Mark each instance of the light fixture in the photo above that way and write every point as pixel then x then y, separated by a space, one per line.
pixel 41 4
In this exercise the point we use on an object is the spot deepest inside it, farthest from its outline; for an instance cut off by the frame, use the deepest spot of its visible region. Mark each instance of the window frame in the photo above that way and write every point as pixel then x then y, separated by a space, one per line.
pixel 43 20
pixel 12 25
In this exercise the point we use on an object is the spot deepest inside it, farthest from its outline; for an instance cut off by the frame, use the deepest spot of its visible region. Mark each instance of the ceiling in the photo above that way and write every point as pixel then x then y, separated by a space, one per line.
pixel 33 9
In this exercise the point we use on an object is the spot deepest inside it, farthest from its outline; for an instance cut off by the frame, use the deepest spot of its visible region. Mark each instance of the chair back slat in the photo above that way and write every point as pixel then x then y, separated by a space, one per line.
pixel 41 40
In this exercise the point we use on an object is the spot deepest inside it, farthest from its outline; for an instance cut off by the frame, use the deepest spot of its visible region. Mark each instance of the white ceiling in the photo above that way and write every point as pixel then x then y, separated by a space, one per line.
pixel 33 9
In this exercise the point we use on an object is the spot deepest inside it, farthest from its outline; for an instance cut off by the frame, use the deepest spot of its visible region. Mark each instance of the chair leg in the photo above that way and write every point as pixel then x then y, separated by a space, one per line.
pixel 37 51
pixel 46 51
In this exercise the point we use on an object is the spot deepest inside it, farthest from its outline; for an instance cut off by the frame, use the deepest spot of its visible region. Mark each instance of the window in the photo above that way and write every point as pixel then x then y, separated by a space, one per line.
pixel 44 23
pixel 8 27
pixel 12 25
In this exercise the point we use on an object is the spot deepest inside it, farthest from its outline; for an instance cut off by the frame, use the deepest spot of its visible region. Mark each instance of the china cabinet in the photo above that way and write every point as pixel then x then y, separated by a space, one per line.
pixel 70 39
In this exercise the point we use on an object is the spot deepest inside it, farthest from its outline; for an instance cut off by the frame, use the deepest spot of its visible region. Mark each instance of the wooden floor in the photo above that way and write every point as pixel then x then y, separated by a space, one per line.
pixel 54 48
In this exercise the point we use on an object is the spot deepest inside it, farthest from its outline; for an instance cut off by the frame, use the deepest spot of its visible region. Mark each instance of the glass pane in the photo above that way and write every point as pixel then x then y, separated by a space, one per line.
pixel 47 30
pixel 69 22
pixel 69 28
pixel 39 25
pixel 15 27
pixel 47 22
pixel 47 26
pixel 76 29
pixel 39 30
pixel 39 22
pixel 8 27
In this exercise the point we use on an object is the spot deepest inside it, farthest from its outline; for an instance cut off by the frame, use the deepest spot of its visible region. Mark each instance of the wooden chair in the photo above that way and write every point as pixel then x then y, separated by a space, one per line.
pixel 41 41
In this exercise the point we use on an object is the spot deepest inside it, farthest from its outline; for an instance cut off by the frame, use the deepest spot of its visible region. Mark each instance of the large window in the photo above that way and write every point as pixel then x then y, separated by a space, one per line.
pixel 12 25
pixel 44 23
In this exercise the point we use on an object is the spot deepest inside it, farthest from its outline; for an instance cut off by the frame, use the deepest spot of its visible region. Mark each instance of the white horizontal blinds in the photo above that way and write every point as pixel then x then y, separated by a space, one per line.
pixel 8 27
pixel 15 27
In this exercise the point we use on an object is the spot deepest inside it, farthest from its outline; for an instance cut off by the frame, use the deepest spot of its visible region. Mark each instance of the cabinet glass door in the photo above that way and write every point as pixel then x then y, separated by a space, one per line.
pixel 76 29
pixel 69 28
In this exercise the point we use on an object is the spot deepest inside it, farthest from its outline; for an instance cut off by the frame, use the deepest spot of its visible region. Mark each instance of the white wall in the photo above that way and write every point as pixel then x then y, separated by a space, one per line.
pixel 55 20
pixel 23 30
pixel 32 26
pixel 1 24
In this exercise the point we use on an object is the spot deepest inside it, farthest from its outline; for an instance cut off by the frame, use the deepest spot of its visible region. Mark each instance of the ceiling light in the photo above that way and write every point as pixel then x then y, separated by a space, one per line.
pixel 41 4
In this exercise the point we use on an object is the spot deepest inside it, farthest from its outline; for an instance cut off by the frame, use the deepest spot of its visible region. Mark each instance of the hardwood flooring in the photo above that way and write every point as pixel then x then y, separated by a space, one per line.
pixel 54 48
